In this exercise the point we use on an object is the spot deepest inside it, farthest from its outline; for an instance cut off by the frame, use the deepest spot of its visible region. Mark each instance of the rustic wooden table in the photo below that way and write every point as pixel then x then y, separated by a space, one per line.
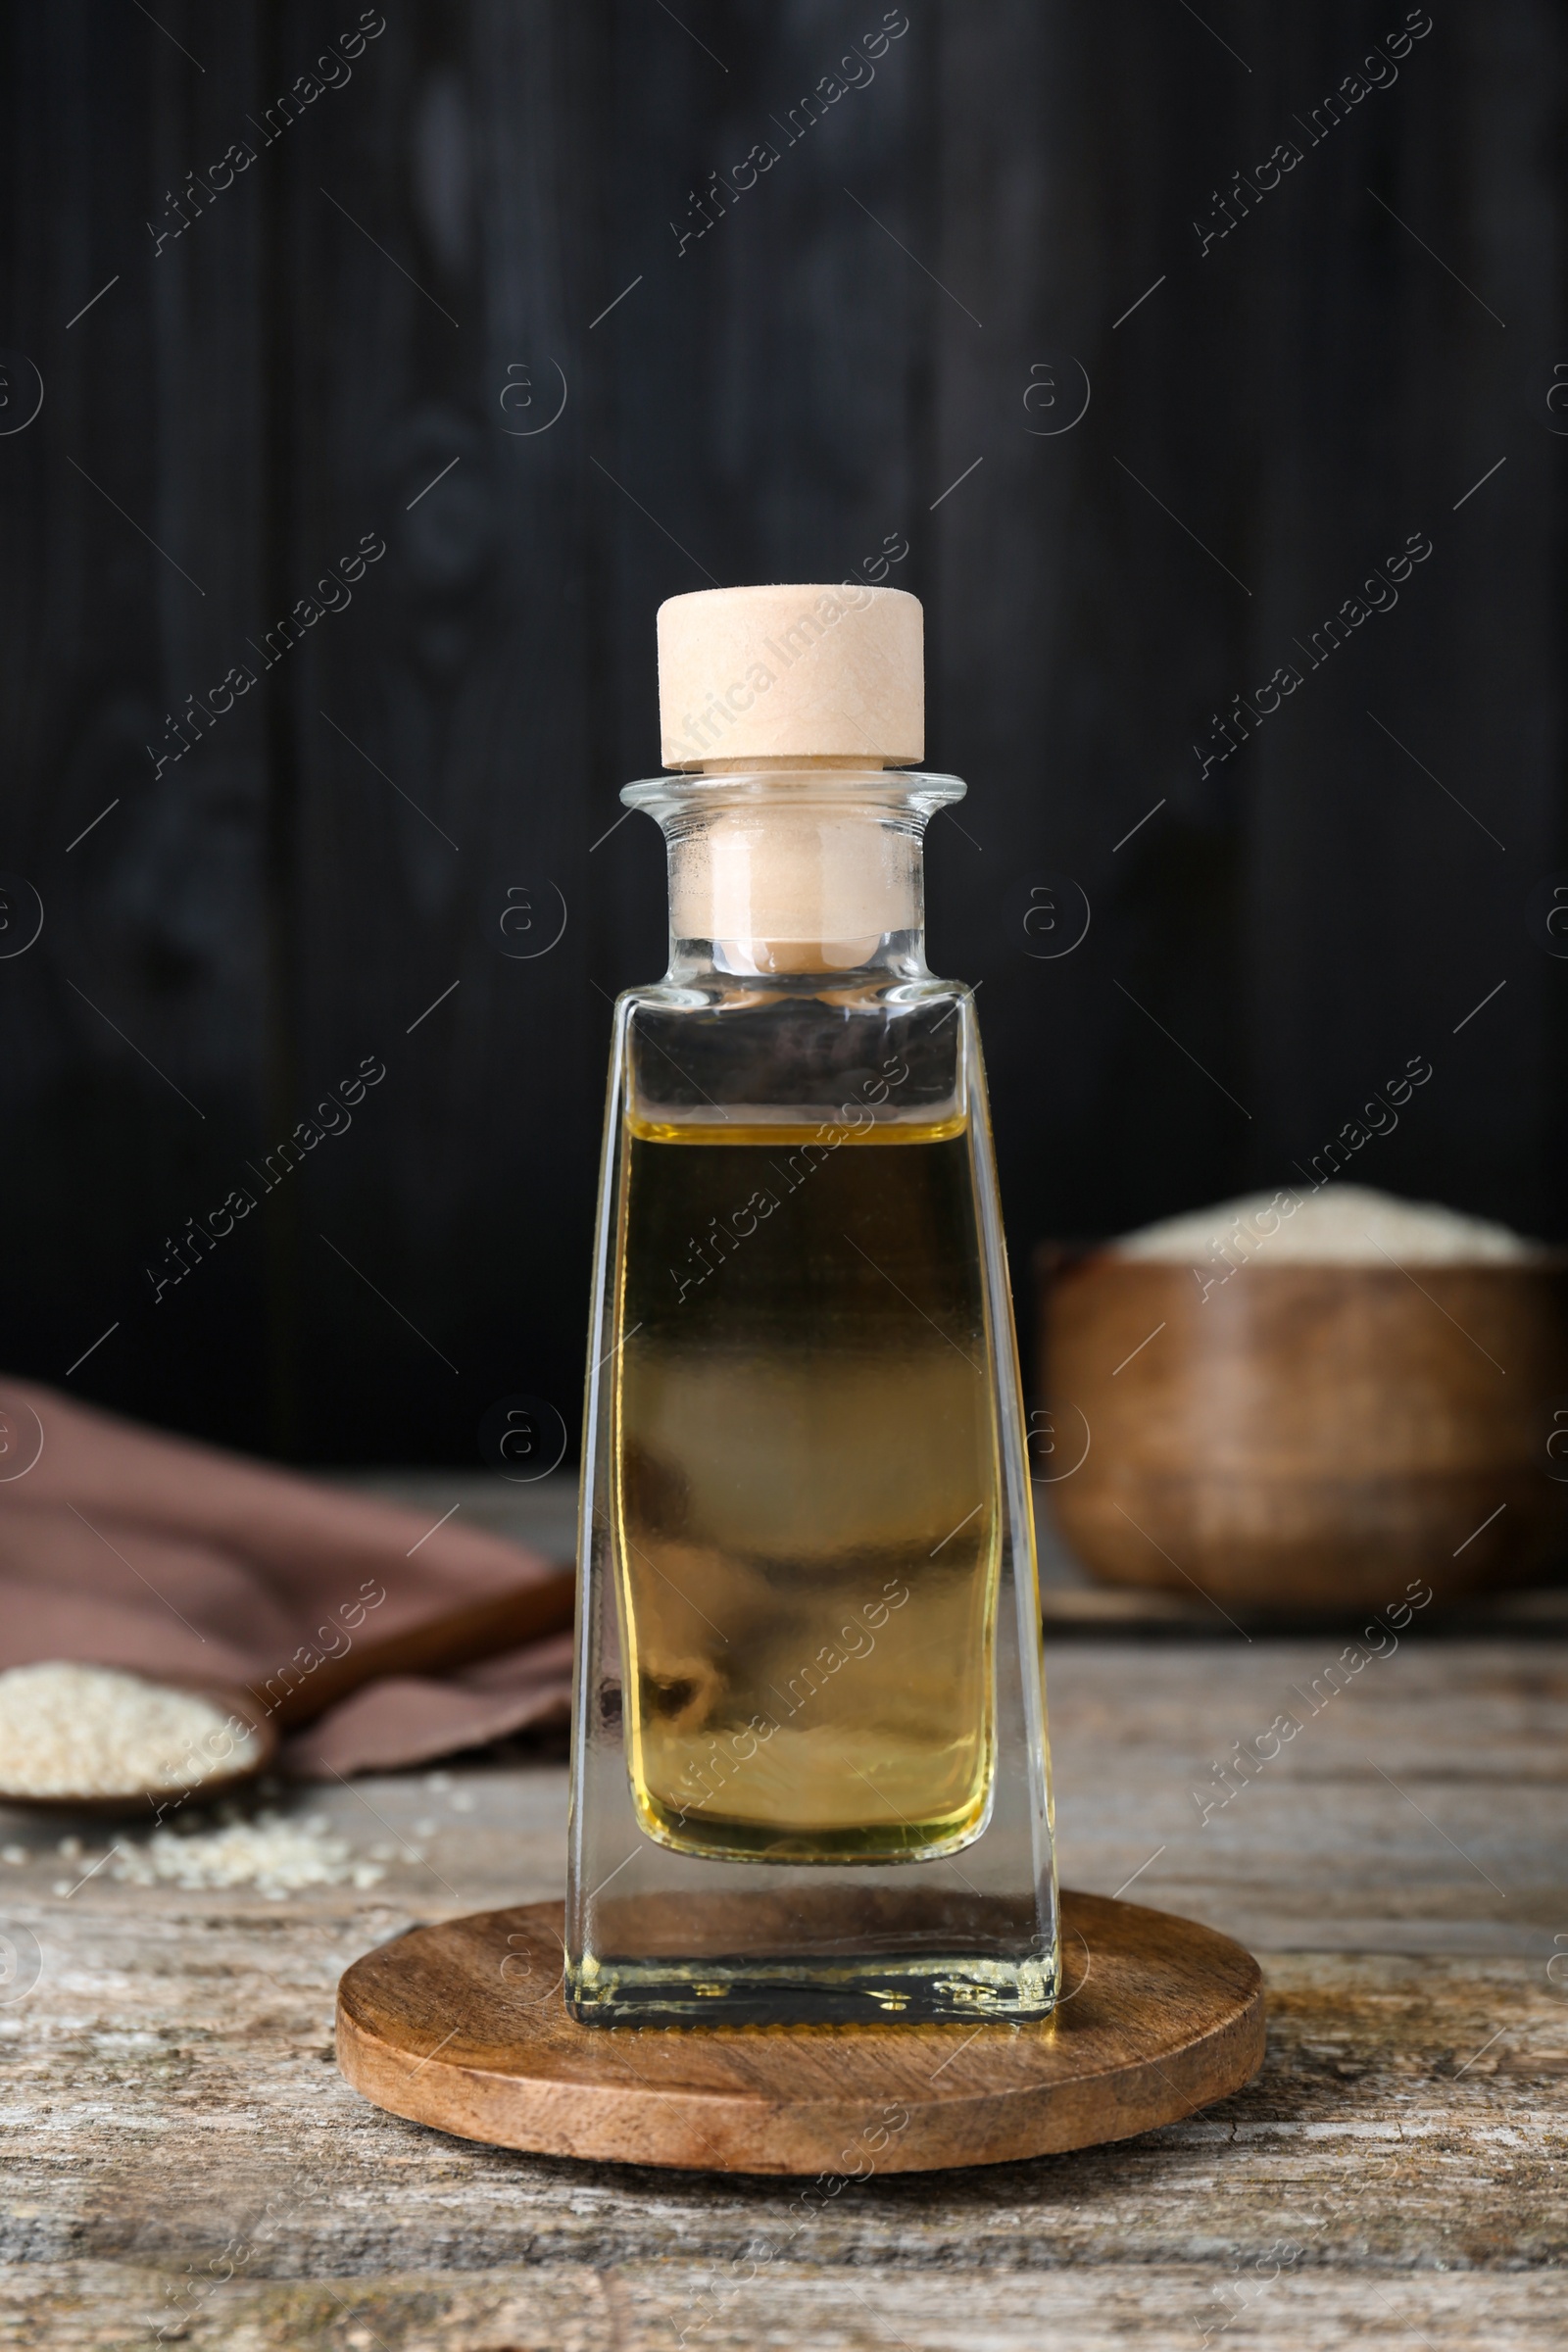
pixel 184 2163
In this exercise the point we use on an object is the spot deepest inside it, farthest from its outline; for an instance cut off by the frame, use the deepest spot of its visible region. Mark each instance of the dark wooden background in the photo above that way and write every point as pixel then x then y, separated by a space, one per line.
pixel 804 383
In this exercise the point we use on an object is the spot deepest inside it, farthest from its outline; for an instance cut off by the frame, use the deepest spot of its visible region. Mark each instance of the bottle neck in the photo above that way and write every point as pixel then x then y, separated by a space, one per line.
pixel 796 869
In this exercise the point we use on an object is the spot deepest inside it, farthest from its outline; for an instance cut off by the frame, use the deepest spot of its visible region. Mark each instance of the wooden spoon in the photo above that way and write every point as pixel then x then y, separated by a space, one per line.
pixel 459 1637
pixel 234 1706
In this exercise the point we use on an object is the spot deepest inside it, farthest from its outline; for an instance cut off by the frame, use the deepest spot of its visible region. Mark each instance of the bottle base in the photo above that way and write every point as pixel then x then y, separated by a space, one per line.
pixel 935 1988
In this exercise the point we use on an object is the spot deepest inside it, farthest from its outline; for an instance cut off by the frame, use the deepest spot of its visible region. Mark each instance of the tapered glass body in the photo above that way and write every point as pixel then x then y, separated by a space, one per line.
pixel 809 1769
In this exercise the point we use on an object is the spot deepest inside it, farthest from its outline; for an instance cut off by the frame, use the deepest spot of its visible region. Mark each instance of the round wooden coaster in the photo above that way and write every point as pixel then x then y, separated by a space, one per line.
pixel 463 2025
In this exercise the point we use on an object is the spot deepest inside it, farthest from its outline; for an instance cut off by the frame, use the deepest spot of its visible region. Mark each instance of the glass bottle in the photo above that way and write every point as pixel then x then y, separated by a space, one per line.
pixel 810 1773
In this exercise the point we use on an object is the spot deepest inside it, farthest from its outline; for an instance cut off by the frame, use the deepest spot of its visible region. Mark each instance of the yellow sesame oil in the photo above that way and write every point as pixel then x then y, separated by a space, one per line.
pixel 806 1490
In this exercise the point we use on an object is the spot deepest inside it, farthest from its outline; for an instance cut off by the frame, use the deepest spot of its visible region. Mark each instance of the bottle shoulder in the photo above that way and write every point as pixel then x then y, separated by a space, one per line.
pixel 728 998
pixel 901 1050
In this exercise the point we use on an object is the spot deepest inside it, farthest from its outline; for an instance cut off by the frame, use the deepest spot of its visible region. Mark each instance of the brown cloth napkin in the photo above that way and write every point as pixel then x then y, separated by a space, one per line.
pixel 122 1546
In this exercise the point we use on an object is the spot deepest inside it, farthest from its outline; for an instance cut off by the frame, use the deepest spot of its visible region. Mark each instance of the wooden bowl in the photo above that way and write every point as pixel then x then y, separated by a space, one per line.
pixel 1312 1436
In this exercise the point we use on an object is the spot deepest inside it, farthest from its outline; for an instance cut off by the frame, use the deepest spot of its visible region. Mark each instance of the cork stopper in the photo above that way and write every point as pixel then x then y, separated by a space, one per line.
pixel 783 673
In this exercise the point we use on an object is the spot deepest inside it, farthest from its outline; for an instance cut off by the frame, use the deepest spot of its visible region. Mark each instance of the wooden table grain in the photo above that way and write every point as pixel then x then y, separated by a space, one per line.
pixel 182 2162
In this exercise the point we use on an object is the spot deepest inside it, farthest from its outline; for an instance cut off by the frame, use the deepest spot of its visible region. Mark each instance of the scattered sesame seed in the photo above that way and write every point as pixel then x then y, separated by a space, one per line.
pixel 276 1857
